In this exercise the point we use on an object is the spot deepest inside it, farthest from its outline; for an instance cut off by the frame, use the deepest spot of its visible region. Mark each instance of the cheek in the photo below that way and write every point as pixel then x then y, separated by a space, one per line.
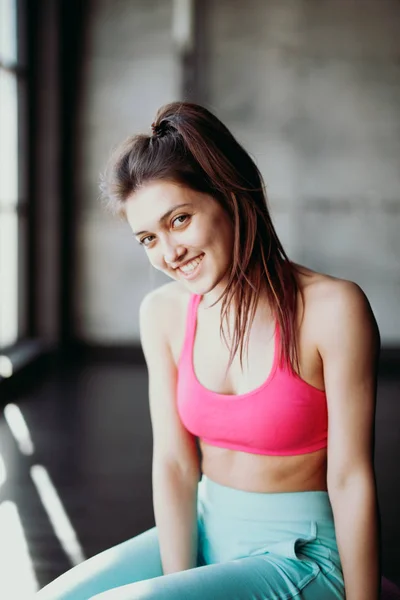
pixel 154 259
pixel 207 236
pixel 157 261
pixel 221 237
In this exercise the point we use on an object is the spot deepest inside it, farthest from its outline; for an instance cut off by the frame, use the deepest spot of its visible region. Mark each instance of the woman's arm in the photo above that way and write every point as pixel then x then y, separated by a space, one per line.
pixel 176 469
pixel 349 346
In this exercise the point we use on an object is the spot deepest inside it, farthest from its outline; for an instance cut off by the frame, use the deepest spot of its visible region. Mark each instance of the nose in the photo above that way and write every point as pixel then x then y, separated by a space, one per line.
pixel 173 254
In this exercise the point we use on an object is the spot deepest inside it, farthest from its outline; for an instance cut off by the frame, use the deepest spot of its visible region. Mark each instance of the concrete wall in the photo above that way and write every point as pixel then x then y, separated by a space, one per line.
pixel 129 71
pixel 312 89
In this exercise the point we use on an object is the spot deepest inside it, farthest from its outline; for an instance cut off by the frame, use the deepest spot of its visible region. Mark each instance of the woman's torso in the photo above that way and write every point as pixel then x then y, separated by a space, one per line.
pixel 233 468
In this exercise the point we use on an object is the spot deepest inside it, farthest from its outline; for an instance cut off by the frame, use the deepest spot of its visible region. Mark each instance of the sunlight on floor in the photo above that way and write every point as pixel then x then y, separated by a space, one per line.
pixel 19 429
pixel 58 517
pixel 3 472
pixel 17 575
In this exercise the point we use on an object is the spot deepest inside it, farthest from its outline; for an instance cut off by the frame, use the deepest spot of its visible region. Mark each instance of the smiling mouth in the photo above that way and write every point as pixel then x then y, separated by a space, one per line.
pixel 191 266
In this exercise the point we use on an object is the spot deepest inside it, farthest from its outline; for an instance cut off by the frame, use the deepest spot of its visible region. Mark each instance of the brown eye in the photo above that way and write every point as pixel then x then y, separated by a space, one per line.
pixel 181 217
pixel 142 241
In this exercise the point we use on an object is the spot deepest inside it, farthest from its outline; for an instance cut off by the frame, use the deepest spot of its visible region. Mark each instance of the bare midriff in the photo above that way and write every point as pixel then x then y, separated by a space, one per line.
pixel 265 473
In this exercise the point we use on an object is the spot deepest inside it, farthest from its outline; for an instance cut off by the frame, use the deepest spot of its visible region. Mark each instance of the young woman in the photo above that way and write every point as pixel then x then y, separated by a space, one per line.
pixel 262 387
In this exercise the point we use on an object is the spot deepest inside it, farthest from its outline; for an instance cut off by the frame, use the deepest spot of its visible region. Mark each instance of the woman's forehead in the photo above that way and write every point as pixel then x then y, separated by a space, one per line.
pixel 148 205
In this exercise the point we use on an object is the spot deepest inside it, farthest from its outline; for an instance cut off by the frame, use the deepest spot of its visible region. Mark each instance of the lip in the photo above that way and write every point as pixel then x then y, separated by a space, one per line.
pixel 193 273
pixel 190 260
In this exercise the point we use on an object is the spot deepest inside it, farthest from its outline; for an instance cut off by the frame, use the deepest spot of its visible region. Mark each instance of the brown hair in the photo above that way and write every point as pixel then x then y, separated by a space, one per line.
pixel 190 146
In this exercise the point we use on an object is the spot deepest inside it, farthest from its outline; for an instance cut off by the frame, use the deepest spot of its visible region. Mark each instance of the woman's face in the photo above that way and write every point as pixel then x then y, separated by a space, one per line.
pixel 176 226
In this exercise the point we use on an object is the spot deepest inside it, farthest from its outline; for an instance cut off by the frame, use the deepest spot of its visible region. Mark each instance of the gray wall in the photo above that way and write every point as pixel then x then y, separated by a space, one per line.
pixel 312 89
pixel 130 70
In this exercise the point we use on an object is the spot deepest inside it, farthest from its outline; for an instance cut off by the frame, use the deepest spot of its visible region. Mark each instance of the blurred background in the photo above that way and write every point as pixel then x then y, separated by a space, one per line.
pixel 311 88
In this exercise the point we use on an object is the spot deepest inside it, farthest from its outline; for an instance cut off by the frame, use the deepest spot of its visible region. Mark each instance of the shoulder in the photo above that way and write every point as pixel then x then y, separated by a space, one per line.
pixel 339 311
pixel 163 297
pixel 160 308
pixel 331 295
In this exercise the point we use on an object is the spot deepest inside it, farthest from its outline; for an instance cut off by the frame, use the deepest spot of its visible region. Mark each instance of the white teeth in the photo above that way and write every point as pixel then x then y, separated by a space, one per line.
pixel 191 266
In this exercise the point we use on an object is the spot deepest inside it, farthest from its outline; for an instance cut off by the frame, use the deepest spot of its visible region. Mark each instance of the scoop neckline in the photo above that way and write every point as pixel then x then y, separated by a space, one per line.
pixel 232 397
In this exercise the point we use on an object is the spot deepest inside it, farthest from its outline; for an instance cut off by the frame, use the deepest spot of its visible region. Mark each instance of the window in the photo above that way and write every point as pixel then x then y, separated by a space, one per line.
pixel 13 179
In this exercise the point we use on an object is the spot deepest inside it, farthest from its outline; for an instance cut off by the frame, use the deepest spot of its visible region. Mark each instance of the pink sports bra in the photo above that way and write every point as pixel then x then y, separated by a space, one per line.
pixel 283 416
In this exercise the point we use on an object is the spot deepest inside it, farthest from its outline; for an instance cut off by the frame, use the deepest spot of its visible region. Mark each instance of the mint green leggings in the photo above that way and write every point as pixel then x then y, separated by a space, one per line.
pixel 252 546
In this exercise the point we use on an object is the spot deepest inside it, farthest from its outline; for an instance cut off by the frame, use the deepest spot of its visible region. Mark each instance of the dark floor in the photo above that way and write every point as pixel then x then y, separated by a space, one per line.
pixel 90 427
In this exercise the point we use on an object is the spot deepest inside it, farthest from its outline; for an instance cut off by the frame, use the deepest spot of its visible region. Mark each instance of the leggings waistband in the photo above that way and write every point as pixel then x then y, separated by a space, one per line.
pixel 285 506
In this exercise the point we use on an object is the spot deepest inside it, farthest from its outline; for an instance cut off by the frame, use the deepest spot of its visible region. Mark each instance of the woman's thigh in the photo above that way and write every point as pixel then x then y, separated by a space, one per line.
pixel 136 559
pixel 249 578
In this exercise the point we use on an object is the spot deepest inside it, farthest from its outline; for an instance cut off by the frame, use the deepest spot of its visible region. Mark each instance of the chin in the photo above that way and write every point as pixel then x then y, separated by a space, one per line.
pixel 201 288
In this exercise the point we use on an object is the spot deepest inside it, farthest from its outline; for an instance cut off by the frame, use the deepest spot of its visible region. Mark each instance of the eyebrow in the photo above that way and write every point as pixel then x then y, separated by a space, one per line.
pixel 165 216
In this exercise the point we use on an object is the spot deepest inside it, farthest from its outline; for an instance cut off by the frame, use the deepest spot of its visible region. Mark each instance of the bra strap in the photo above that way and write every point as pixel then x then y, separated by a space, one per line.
pixel 190 325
